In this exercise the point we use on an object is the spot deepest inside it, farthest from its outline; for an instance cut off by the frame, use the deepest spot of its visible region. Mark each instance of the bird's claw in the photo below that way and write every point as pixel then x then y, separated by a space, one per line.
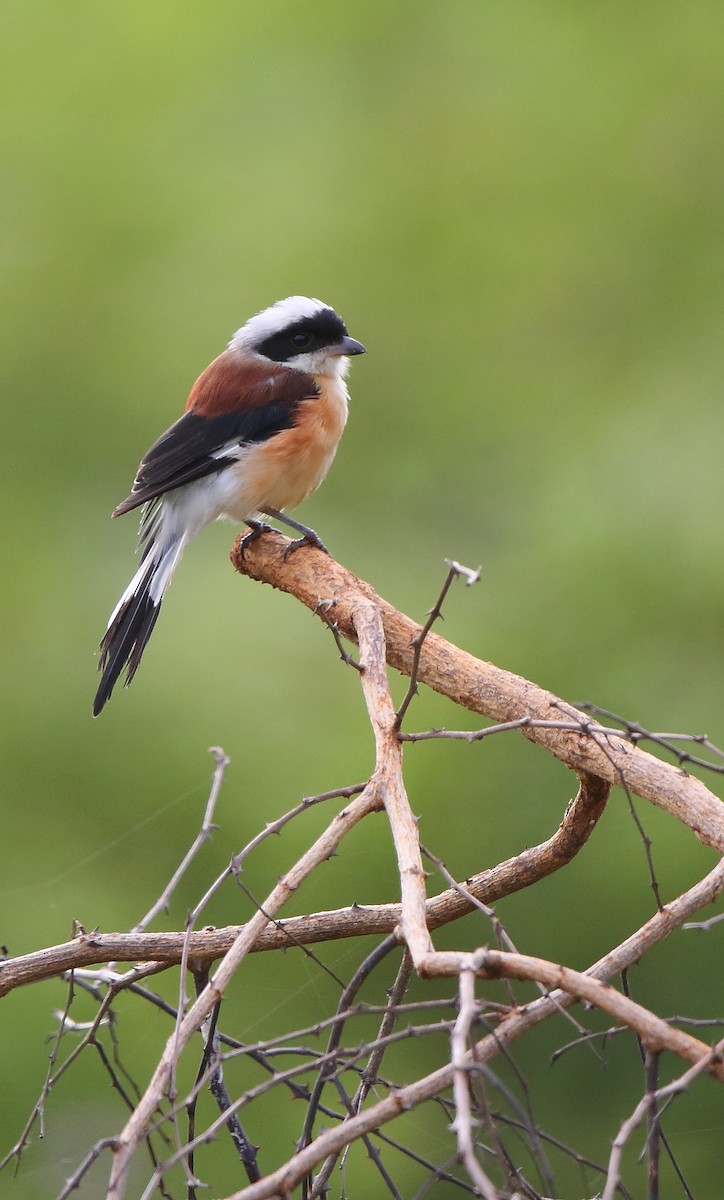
pixel 255 531
pixel 310 538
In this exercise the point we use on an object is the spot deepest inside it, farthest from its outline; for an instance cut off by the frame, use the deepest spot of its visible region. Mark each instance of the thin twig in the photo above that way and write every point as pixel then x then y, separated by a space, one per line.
pixel 319 1183
pixel 322 610
pixel 372 1152
pixel 74 1180
pixel 653 1140
pixel 461 1064
pixel 650 1065
pixel 205 832
pixel 478 735
pixel 38 1110
pixel 346 999
pixel 391 1012
pixel 677 1086
pixel 212 1058
pixel 454 570
pixel 271 829
pixel 637 733
pixel 704 926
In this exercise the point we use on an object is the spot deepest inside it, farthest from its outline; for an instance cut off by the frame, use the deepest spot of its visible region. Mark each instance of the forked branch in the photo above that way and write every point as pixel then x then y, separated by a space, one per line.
pixel 483 688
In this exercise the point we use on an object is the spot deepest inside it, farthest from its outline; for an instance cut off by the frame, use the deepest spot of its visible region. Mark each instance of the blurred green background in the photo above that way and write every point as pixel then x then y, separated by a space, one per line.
pixel 518 209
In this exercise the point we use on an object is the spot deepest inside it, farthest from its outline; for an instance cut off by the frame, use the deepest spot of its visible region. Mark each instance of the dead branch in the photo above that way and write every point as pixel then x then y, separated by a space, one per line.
pixel 655 1033
pixel 358 920
pixel 484 688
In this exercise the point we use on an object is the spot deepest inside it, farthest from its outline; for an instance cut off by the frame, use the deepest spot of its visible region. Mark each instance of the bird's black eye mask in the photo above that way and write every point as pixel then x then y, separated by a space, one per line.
pixel 322 329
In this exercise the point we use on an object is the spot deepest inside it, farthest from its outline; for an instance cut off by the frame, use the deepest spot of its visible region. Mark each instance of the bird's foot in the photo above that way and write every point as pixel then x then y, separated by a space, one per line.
pixel 308 538
pixel 256 529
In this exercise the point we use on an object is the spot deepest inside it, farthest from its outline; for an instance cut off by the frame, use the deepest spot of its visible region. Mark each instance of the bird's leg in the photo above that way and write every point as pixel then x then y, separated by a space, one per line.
pixel 256 529
pixel 308 538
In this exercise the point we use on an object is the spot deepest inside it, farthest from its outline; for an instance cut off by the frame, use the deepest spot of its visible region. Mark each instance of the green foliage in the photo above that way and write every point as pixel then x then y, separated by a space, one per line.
pixel 518 209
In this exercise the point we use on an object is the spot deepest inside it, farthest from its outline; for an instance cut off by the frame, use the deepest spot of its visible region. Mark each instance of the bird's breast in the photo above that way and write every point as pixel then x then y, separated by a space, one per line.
pixel 290 466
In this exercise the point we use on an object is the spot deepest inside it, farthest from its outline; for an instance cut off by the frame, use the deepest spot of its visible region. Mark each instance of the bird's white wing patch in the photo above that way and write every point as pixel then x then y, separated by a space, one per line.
pixel 229 450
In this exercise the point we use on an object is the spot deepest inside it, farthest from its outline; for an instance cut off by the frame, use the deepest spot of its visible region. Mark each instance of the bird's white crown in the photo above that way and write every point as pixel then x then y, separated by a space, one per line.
pixel 274 319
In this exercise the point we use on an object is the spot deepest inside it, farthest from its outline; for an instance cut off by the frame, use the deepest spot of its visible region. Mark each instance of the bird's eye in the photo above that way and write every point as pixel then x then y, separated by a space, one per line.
pixel 300 340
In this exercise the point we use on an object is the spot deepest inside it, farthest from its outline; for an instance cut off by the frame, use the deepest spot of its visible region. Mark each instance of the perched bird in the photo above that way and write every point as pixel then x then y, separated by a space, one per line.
pixel 258 435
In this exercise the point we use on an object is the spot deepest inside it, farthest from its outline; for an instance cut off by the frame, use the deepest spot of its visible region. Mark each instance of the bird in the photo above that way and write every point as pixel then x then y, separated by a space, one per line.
pixel 258 434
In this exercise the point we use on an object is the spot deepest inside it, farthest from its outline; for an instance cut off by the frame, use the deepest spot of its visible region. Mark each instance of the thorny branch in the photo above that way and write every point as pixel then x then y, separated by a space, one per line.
pixel 484 688
pixel 521 871
pixel 455 570
pixel 481 1030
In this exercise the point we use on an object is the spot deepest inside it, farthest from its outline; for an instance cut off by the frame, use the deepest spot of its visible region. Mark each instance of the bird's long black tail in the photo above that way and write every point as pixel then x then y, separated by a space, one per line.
pixel 133 619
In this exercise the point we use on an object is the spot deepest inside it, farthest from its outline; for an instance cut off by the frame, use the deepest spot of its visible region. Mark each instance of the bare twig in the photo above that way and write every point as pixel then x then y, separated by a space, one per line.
pixel 657 1136
pixel 666 741
pixel 211 1057
pixel 38 1111
pixel 704 926
pixel 207 828
pixel 454 569
pixel 369 1075
pixel 73 1182
pixel 271 828
pixel 653 1140
pixel 346 999
pixel 387 1024
pixel 644 1106
pixel 461 1066
pixel 478 735
pixel 322 610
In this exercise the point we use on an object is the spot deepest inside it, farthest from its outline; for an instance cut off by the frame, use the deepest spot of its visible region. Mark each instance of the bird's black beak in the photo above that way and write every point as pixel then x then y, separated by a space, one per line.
pixel 347 347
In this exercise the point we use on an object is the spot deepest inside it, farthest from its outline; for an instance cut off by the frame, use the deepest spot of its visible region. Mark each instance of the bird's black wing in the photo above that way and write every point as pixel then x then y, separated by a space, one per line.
pixel 191 448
